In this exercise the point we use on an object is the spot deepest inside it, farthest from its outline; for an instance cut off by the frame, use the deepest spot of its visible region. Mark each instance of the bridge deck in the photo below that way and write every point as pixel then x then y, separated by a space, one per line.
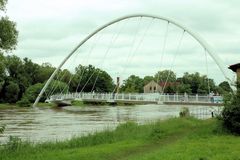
pixel 138 98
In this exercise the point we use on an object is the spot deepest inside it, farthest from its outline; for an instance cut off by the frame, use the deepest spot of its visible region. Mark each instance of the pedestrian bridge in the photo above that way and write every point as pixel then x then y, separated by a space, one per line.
pixel 87 82
pixel 136 98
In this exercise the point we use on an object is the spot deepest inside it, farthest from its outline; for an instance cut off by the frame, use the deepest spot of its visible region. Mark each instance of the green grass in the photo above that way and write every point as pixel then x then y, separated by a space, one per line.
pixel 7 105
pixel 42 104
pixel 78 103
pixel 178 138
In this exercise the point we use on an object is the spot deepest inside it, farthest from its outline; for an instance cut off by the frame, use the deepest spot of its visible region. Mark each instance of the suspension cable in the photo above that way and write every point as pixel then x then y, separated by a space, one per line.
pixel 58 80
pixel 163 50
pixel 103 60
pixel 82 71
pixel 71 77
pixel 137 47
pixel 120 29
pixel 132 45
pixel 174 58
pixel 53 86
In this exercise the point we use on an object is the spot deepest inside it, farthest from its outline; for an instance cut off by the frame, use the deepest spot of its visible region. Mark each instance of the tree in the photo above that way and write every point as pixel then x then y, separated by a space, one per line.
pixel 133 84
pixel 89 78
pixel 2 72
pixel 2 4
pixel 31 71
pixel 8 32
pixel 224 87
pixel 147 79
pixel 12 92
pixel 198 84
pixel 165 76
pixel 44 72
pixel 32 92
pixel 184 88
pixel 231 112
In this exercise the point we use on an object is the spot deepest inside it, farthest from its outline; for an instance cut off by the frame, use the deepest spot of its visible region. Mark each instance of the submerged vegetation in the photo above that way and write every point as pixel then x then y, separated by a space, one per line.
pixel 2 128
pixel 178 138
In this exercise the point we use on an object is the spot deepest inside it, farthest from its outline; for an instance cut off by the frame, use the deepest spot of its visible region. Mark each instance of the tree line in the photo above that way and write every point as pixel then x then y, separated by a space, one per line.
pixel 191 83
pixel 22 80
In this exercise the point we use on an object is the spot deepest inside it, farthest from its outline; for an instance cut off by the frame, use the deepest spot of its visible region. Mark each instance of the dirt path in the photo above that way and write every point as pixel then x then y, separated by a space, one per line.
pixel 150 147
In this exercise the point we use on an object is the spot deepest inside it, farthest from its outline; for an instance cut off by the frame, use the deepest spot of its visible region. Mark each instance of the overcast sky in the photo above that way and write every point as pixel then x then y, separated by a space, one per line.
pixel 49 30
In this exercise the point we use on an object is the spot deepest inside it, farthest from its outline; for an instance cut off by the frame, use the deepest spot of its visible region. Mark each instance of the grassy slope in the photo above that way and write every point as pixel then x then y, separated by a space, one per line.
pixel 172 139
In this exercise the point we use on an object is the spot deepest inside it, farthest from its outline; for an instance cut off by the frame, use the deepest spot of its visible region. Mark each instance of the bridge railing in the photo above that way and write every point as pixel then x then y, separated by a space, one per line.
pixel 149 97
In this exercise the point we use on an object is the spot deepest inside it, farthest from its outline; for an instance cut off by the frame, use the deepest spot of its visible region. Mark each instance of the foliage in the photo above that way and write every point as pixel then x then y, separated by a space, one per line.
pixel 25 79
pixel 224 88
pixel 8 31
pixel 189 83
pixel 89 78
pixel 133 84
pixel 24 102
pixel 8 34
pixel 147 79
pixel 12 92
pixel 231 112
pixel 2 4
pixel 165 75
pixel 184 112
pixel 184 88
pixel 198 84
pixel 17 75
pixel 2 128
pixel 44 72
pixel 77 103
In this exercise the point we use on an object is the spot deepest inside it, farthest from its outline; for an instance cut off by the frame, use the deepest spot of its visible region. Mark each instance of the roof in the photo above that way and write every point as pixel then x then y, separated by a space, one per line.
pixel 234 67
pixel 162 84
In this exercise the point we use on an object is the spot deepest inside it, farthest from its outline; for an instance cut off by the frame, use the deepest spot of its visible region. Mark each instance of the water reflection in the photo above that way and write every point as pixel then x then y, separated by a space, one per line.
pixel 42 124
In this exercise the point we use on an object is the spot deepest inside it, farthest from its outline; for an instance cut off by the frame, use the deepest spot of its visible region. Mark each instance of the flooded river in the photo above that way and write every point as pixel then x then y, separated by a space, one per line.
pixel 43 124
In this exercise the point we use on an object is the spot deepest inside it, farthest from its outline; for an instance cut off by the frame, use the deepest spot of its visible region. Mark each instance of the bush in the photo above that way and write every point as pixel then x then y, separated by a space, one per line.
pixel 231 118
pixel 184 112
pixel 24 102
pixel 231 113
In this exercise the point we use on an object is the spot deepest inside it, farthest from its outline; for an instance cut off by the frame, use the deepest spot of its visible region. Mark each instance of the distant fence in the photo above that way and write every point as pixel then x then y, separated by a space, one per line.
pixel 206 112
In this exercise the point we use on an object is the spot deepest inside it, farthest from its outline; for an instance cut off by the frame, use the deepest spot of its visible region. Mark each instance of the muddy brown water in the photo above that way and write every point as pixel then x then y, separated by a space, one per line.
pixel 46 124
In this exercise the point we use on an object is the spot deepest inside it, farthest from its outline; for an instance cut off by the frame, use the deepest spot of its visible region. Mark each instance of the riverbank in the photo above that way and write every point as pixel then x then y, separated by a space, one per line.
pixel 178 138
pixel 7 105
pixel 14 105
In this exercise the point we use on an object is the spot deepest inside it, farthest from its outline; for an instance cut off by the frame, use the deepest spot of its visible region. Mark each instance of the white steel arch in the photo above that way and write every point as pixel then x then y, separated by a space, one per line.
pixel 203 43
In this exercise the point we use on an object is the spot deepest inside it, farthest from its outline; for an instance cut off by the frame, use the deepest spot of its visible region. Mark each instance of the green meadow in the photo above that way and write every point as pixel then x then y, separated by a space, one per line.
pixel 178 138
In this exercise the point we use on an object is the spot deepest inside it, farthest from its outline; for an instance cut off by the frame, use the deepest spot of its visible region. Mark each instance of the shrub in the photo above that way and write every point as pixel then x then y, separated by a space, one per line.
pixel 231 113
pixel 231 118
pixel 24 102
pixel 184 112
